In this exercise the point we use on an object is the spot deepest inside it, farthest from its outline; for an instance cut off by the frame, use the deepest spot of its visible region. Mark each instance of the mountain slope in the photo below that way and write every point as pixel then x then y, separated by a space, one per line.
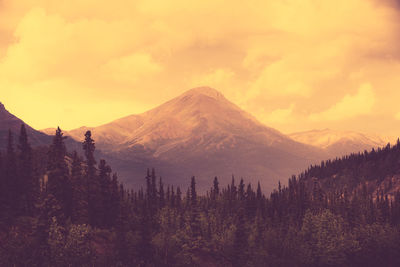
pixel 36 138
pixel 338 143
pixel 374 172
pixel 9 122
pixel 200 133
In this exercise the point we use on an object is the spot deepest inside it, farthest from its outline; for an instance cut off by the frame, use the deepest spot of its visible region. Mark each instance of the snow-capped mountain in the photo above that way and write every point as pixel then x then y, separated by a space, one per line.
pixel 203 134
pixel 338 143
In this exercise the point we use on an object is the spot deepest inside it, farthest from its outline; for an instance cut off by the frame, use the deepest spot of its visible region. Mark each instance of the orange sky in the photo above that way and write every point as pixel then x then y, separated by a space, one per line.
pixel 294 64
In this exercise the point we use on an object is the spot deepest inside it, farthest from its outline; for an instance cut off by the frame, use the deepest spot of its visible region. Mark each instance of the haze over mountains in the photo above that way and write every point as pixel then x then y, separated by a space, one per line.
pixel 200 133
pixel 338 143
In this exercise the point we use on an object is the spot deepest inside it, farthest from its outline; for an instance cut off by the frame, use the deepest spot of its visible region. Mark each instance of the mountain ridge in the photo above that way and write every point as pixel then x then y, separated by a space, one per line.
pixel 201 133
pixel 339 143
pixel 11 122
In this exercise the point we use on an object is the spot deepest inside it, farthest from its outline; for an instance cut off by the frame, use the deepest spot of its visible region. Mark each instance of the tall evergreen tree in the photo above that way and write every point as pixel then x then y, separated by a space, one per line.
pixel 92 181
pixel 215 190
pixel 28 182
pixel 11 190
pixel 194 211
pixel 161 193
pixel 59 184
pixel 79 203
pixel 193 193
pixel 104 219
pixel 178 200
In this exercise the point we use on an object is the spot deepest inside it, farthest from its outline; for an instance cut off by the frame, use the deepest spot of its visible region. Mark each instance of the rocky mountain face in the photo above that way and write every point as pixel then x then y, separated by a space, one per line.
pixel 339 143
pixel 200 133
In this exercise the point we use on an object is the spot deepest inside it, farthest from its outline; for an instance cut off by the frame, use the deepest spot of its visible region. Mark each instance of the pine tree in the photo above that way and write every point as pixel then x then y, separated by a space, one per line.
pixel 12 198
pixel 153 191
pixel 92 182
pixel 233 191
pixel 194 211
pixel 215 190
pixel 178 198
pixel 115 203
pixel 58 183
pixel 79 213
pixel 259 193
pixel 28 182
pixel 193 193
pixel 161 194
pixel 241 190
pixel 105 194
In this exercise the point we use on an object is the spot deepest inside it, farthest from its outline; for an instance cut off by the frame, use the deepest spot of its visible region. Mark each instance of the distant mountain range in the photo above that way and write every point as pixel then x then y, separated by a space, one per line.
pixel 200 133
pixel 339 143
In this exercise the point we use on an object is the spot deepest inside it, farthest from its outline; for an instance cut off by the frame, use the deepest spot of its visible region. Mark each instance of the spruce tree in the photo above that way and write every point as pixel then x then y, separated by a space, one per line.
pixel 193 193
pixel 92 182
pixel 241 190
pixel 11 190
pixel 59 184
pixel 178 199
pixel 194 211
pixel 115 202
pixel 259 193
pixel 105 194
pixel 215 191
pixel 79 213
pixel 161 194
pixel 28 182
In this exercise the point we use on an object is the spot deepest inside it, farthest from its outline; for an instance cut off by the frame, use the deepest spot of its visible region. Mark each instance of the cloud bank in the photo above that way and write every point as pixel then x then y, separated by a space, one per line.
pixel 293 64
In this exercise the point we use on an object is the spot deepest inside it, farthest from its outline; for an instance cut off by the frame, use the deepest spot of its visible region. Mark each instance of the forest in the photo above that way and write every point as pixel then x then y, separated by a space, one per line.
pixel 60 209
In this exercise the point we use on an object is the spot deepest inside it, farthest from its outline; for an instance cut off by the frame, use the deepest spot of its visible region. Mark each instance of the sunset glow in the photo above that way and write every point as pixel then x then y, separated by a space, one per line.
pixel 294 64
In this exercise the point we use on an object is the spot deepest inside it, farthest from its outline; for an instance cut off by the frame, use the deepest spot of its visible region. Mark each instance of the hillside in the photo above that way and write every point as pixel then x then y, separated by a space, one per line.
pixel 378 171
pixel 9 122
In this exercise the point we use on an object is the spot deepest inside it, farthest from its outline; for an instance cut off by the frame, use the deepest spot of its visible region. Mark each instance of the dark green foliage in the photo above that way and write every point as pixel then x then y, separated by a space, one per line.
pixel 10 181
pixel 82 215
pixel 59 184
pixel 79 202
pixel 28 181
pixel 92 181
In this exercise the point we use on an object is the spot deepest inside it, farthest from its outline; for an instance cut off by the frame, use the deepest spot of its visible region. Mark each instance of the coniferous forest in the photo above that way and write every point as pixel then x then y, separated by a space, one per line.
pixel 59 208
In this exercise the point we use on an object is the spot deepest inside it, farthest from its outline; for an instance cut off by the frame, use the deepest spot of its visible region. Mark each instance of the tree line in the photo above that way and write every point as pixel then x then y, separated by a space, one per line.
pixel 61 209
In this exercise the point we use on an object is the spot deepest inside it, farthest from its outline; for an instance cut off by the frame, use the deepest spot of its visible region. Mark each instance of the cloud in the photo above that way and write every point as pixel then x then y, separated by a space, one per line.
pixel 263 55
pixel 350 106
pixel 131 68
pixel 280 115
pixel 217 78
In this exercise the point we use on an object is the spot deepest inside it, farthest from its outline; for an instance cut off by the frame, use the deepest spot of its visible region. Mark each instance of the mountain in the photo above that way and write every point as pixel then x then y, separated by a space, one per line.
pixel 9 122
pixel 375 172
pixel 37 138
pixel 203 134
pixel 338 143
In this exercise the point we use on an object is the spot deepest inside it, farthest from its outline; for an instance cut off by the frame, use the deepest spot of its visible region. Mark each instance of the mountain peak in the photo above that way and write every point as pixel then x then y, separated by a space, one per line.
pixel 204 90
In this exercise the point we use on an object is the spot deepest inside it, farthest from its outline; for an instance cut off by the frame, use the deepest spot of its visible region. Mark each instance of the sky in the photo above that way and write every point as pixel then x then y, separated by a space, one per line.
pixel 294 64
